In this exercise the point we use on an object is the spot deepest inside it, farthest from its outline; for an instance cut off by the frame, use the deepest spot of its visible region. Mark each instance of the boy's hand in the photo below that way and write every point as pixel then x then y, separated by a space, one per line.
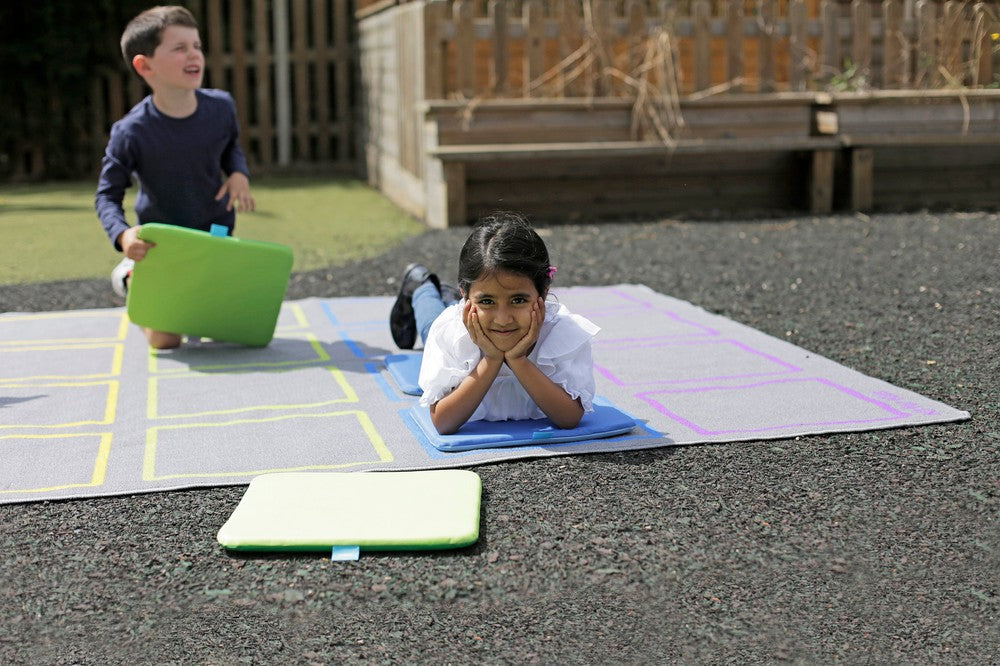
pixel 132 246
pixel 237 186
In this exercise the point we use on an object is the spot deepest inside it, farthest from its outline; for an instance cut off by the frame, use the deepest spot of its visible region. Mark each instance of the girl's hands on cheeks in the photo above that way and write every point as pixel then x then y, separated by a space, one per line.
pixel 525 344
pixel 470 317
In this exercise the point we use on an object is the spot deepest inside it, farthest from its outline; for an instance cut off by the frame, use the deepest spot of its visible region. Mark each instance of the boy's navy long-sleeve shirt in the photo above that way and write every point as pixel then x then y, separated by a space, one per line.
pixel 178 164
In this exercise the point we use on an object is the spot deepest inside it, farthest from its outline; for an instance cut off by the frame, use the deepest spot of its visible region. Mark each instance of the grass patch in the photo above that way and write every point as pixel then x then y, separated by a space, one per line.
pixel 51 232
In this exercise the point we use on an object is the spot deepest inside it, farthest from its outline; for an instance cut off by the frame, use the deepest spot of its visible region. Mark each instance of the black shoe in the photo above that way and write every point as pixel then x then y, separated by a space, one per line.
pixel 402 322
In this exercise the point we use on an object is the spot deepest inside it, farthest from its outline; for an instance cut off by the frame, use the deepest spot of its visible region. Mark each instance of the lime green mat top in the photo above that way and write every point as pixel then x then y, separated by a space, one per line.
pixel 375 511
pixel 219 287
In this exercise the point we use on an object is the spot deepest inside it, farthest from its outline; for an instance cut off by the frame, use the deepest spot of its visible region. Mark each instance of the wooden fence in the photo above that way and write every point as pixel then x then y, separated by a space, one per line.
pixel 288 65
pixel 612 48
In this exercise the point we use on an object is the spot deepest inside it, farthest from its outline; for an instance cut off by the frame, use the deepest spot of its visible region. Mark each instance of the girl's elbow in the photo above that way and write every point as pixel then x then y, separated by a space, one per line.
pixel 442 425
pixel 571 419
pixel 570 424
pixel 443 429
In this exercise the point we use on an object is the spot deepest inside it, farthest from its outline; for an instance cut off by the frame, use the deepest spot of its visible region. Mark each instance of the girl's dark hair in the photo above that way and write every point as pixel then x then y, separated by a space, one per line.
pixel 504 241
pixel 143 33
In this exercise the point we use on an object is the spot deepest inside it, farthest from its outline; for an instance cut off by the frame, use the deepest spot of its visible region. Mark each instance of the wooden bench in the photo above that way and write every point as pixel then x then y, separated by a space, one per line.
pixel 577 158
pixel 906 149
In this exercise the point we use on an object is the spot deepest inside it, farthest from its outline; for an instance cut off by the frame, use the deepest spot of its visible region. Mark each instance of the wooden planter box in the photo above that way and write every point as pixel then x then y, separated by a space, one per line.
pixel 907 150
pixel 447 154
pixel 734 155
pixel 577 159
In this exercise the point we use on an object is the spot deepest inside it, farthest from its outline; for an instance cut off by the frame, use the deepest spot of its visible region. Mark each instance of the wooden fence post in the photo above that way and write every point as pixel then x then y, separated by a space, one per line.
pixel 982 66
pixel 282 84
pixel 569 81
pixel 116 98
pixel 735 68
pixel 798 47
pixel 300 76
pixel 952 32
pixel 862 179
pixel 927 45
pixel 238 44
pixel 216 41
pixel 830 63
pixel 702 44
pixel 342 77
pixel 498 17
pixel 861 46
pixel 766 40
pixel 465 48
pixel 894 43
pixel 534 48
pixel 435 86
pixel 603 39
pixel 321 96
pixel 263 97
pixel 821 181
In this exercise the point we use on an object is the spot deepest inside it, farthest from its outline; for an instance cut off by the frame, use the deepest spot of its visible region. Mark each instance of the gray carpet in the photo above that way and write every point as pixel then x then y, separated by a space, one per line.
pixel 87 410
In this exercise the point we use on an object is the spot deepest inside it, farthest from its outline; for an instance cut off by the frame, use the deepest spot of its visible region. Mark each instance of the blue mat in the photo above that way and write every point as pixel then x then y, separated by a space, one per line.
pixel 604 421
pixel 405 371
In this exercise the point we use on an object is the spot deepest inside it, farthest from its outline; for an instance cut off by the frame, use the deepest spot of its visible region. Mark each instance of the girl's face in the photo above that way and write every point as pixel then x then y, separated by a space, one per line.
pixel 503 302
pixel 178 61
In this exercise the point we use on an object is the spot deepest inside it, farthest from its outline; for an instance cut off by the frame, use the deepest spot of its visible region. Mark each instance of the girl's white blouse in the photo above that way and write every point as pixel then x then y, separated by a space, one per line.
pixel 562 352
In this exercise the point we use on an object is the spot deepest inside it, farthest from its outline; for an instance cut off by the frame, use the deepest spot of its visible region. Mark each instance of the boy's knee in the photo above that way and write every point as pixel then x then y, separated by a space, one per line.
pixel 162 340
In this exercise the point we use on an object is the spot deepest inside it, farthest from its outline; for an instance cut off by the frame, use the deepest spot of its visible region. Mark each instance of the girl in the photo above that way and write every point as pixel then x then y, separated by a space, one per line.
pixel 500 353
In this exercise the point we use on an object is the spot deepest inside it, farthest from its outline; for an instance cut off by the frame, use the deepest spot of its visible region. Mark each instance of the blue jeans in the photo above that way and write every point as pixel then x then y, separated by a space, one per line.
pixel 427 305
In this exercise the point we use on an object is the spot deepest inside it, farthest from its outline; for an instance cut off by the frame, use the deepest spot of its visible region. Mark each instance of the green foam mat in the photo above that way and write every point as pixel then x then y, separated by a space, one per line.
pixel 432 509
pixel 219 287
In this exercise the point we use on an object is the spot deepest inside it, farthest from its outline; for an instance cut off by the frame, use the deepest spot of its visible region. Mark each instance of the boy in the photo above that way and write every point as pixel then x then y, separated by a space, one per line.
pixel 181 142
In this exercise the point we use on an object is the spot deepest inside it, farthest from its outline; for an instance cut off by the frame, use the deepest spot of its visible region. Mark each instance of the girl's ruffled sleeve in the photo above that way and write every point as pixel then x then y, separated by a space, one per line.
pixel 566 358
pixel 449 356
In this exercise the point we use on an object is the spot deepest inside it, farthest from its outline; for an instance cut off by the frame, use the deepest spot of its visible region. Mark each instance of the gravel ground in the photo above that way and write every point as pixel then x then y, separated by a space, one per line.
pixel 876 547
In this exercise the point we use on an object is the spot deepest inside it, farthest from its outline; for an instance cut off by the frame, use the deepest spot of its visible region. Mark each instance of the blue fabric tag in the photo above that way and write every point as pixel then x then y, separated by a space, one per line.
pixel 219 230
pixel 345 553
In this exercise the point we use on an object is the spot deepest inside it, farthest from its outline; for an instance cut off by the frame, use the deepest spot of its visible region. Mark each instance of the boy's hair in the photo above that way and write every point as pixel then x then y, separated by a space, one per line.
pixel 143 33
pixel 504 242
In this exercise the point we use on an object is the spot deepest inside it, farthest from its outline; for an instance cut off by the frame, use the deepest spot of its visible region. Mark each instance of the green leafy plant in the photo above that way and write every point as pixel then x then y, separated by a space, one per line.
pixel 850 79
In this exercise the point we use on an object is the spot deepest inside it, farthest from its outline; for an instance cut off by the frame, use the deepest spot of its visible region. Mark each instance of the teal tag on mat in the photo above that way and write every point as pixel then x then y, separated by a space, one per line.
pixel 345 553
pixel 219 230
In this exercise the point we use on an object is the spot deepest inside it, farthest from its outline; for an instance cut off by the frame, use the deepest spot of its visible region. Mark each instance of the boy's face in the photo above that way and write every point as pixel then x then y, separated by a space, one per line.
pixel 177 62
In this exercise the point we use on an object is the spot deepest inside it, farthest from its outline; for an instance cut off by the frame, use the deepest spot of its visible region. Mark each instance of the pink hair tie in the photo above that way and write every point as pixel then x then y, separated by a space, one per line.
pixel 552 272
